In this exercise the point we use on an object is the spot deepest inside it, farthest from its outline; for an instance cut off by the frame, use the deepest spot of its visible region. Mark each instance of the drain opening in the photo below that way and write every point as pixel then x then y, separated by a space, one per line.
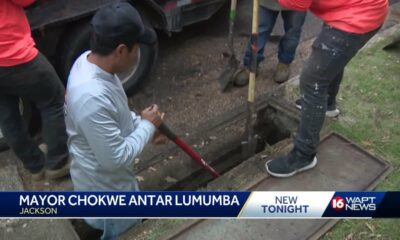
pixel 272 126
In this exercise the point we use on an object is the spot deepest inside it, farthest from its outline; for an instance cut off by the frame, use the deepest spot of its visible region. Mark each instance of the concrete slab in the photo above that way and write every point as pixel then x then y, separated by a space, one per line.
pixel 343 166
pixel 27 228
pixel 9 176
pixel 394 15
pixel 64 184
pixel 43 229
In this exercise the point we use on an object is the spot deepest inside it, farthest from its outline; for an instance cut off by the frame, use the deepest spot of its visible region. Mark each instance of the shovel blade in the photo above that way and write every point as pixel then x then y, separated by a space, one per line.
pixel 228 74
pixel 249 147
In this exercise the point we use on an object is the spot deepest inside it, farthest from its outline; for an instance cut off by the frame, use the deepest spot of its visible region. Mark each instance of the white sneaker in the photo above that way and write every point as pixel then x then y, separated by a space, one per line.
pixel 331 111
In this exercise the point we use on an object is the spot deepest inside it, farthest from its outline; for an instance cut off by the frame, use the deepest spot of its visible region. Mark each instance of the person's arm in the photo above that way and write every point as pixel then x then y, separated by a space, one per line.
pixel 101 130
pixel 136 119
pixel 298 5
pixel 158 138
pixel 23 3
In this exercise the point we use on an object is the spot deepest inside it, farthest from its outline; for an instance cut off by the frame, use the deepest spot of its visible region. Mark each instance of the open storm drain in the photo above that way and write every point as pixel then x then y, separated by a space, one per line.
pixel 272 127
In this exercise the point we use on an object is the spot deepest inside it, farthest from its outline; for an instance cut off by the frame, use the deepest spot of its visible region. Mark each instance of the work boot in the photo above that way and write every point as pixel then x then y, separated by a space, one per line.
pixel 60 170
pixel 289 165
pixel 331 110
pixel 241 77
pixel 282 73
pixel 39 174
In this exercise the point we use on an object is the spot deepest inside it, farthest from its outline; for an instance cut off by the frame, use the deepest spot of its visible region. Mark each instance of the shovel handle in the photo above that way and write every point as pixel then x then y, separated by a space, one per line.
pixel 232 13
pixel 254 48
pixel 232 16
pixel 164 129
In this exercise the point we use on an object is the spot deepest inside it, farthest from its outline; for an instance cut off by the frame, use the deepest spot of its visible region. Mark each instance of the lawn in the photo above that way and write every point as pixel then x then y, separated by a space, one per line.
pixel 370 104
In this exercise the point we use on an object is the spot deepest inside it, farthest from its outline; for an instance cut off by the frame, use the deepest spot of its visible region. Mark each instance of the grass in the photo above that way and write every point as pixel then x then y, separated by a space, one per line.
pixel 370 103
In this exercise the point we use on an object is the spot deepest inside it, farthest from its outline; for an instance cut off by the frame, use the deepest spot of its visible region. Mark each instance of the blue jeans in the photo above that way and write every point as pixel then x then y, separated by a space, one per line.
pixel 320 81
pixel 293 22
pixel 112 228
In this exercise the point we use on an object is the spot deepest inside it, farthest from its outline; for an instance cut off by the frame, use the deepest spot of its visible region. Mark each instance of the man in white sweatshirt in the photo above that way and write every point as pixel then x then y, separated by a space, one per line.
pixel 104 135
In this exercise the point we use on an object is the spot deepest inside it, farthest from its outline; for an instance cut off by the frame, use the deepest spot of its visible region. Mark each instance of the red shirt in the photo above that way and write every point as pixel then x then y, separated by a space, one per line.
pixel 355 16
pixel 16 43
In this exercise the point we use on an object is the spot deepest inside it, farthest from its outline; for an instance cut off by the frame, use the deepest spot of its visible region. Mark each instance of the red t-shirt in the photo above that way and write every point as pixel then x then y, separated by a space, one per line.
pixel 16 43
pixel 355 16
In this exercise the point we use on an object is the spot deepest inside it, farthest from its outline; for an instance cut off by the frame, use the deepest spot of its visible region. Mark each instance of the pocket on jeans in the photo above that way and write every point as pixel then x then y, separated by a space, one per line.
pixel 324 58
pixel 332 43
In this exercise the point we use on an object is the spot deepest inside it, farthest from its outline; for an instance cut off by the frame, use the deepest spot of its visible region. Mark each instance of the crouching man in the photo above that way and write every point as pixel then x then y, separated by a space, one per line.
pixel 104 136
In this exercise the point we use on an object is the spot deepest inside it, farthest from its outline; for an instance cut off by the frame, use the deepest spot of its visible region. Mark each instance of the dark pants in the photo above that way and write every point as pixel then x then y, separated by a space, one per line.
pixel 320 78
pixel 293 22
pixel 37 82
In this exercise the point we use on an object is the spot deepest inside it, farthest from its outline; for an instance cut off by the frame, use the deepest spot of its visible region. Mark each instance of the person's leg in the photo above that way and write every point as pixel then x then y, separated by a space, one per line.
pixel 333 89
pixel 331 51
pixel 51 107
pixel 17 136
pixel 38 82
pixel 115 227
pixel 267 22
pixel 112 228
pixel 293 23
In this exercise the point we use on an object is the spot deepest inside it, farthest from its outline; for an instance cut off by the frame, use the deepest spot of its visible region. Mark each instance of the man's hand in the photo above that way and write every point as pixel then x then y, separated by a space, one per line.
pixel 153 115
pixel 159 138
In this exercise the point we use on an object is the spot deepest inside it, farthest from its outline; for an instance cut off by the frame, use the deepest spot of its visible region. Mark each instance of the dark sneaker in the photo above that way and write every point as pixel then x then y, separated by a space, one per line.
pixel 282 73
pixel 289 165
pixel 331 110
pixel 241 76
pixel 60 170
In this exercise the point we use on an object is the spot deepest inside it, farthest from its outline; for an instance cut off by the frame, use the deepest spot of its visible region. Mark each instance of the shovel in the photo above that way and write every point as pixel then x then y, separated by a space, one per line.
pixel 250 144
pixel 164 129
pixel 227 75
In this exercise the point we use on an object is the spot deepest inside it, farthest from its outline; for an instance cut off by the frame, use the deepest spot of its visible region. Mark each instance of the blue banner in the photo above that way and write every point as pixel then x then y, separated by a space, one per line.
pixel 121 204
pixel 249 205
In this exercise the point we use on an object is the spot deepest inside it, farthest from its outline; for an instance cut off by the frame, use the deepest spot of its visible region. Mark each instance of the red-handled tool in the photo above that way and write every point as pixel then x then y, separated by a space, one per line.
pixel 164 129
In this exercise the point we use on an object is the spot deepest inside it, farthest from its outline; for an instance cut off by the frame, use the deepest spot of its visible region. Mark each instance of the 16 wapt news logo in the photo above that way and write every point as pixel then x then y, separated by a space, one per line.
pixel 353 204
